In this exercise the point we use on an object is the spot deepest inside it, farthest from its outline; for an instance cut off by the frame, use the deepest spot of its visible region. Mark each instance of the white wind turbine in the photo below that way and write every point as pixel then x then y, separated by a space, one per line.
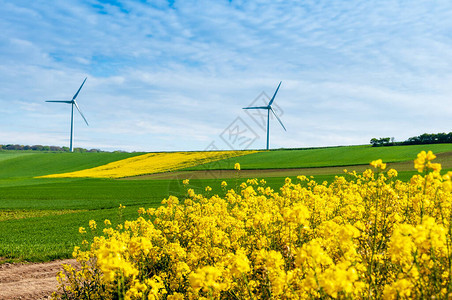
pixel 73 103
pixel 269 108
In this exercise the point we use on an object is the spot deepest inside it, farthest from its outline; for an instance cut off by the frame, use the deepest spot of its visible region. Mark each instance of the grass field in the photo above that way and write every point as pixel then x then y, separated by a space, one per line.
pixel 39 218
pixel 45 237
pixel 325 157
pixel 25 165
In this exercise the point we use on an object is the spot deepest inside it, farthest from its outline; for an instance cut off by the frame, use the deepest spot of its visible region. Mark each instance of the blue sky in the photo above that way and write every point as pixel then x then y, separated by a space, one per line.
pixel 174 75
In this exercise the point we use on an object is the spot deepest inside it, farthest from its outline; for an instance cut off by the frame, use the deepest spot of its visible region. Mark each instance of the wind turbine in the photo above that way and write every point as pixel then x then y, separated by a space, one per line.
pixel 269 108
pixel 73 103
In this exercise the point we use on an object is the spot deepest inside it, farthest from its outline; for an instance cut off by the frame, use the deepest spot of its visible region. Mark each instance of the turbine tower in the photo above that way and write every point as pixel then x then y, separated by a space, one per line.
pixel 73 103
pixel 269 108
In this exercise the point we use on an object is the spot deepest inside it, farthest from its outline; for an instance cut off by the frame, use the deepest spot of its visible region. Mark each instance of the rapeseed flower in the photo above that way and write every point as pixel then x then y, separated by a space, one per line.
pixel 151 163
pixel 363 236
pixel 378 164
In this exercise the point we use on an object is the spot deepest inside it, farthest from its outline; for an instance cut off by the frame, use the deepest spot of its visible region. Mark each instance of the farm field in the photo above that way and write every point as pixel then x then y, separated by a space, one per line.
pixel 40 217
pixel 17 165
pixel 361 236
pixel 325 157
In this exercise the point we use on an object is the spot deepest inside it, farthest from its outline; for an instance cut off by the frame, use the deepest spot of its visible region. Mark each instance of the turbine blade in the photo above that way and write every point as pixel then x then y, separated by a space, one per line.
pixel 257 107
pixel 278 119
pixel 273 98
pixel 60 101
pixel 76 94
pixel 78 108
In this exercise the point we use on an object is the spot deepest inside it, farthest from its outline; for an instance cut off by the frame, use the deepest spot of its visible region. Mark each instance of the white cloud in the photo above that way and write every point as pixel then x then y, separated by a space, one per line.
pixel 173 78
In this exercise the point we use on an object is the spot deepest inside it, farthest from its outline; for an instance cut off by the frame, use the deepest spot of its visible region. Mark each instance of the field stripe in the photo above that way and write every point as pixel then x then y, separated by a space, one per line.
pixel 151 163
pixel 445 159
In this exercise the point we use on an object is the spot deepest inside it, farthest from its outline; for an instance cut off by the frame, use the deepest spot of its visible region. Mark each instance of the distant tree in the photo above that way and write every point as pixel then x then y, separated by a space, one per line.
pixel 37 147
pixel 56 149
pixel 45 148
pixel 385 141
pixel 429 138
pixel 14 147
pixel 380 142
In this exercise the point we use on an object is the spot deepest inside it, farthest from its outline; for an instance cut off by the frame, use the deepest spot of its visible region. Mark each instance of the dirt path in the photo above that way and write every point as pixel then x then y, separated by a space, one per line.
pixel 29 281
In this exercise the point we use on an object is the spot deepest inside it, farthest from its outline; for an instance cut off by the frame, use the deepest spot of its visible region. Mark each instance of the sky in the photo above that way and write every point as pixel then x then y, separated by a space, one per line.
pixel 175 75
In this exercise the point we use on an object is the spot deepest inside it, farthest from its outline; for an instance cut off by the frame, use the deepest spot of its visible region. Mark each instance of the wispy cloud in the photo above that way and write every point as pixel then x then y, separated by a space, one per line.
pixel 173 75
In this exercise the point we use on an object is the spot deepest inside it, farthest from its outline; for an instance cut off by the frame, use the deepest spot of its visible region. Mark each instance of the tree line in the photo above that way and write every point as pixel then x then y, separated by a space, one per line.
pixel 44 148
pixel 426 138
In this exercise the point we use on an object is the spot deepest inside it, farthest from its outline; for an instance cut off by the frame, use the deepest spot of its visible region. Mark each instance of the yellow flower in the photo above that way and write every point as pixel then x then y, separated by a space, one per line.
pixel 82 230
pixel 433 166
pixel 92 224
pixel 430 155
pixel 186 181
pixel 378 164
pixel 392 173
pixel 152 163
pixel 237 166
pixel 191 193
pixel 240 263
pixel 206 277
pixel 422 162
pixel 175 296
pixel 224 184
pixel 399 289
pixel 305 240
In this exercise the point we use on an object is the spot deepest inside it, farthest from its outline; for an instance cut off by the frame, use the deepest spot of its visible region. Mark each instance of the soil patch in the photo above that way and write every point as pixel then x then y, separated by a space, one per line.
pixel 31 280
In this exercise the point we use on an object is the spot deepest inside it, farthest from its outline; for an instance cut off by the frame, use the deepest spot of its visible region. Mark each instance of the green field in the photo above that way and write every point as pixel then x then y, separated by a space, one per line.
pixel 325 157
pixel 24 165
pixel 39 218
pixel 39 237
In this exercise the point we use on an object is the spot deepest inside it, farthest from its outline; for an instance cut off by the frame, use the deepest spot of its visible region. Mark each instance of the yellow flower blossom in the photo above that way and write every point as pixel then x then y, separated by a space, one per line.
pixel 392 173
pixel 422 162
pixel 92 224
pixel 152 163
pixel 360 236
pixel 378 164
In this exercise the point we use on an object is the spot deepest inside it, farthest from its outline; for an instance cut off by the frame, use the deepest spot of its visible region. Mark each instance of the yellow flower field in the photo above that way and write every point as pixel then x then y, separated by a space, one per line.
pixel 152 163
pixel 363 236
